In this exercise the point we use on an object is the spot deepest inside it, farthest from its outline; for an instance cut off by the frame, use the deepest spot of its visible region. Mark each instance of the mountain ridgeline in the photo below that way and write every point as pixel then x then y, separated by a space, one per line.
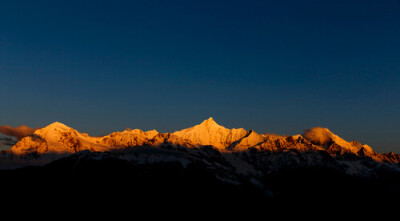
pixel 58 138
pixel 207 161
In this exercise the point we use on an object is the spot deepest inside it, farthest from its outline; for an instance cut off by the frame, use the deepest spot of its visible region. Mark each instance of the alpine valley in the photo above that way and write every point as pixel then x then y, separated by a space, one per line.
pixel 204 162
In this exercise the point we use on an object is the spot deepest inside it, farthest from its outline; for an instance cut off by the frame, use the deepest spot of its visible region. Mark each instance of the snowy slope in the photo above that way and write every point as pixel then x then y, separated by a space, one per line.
pixel 60 139
pixel 210 133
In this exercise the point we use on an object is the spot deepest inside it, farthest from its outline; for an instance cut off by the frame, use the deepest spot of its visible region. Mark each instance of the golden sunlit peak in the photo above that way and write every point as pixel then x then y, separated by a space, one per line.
pixel 209 121
pixel 57 124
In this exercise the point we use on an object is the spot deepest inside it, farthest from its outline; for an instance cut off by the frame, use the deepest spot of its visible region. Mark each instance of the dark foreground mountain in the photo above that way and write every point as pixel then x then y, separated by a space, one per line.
pixel 157 175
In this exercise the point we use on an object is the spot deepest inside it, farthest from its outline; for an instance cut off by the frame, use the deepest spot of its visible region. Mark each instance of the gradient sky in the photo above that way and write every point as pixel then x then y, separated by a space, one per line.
pixel 271 66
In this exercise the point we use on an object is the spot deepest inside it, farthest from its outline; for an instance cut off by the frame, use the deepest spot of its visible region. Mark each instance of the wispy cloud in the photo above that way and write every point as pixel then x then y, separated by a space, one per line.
pixel 318 135
pixel 17 132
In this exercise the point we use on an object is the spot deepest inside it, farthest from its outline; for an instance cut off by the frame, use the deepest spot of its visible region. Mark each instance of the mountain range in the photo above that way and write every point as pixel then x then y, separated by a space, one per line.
pixel 206 160
pixel 58 138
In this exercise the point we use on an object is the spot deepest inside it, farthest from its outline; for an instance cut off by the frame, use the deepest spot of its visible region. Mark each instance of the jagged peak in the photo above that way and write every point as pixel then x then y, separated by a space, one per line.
pixel 209 122
pixel 52 128
pixel 139 131
pixel 252 138
pixel 324 137
pixel 58 125
pixel 55 126
pixel 210 119
pixel 210 133
pixel 152 131
pixel 252 133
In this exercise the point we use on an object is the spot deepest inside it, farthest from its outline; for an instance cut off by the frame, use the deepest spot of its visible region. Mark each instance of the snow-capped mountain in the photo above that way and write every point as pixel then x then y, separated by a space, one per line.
pixel 210 133
pixel 61 139
pixel 206 160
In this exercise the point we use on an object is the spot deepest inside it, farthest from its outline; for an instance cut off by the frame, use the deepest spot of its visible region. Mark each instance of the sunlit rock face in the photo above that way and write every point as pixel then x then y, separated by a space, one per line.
pixel 128 138
pixel 57 138
pixel 61 139
pixel 251 139
pixel 210 133
pixel 324 137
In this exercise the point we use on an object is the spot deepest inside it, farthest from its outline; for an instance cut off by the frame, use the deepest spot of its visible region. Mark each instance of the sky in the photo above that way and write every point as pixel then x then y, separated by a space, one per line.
pixel 272 66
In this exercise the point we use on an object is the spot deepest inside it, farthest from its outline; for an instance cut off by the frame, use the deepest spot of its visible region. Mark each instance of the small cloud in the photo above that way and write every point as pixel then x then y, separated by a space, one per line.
pixel 318 135
pixel 17 132
pixel 6 143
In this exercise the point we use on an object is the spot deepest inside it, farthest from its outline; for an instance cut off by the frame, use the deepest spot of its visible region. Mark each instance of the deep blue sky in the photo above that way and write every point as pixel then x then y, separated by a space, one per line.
pixel 272 66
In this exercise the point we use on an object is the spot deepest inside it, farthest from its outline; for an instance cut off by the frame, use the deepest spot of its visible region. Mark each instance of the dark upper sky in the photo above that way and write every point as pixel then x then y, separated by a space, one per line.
pixel 272 66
